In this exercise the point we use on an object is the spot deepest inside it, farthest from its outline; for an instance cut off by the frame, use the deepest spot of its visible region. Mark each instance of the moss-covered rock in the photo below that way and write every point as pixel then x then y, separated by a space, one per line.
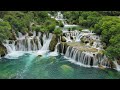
pixel 13 36
pixel 3 50
pixel 112 64
pixel 118 61
pixel 53 43
pixel 30 33
pixel 63 39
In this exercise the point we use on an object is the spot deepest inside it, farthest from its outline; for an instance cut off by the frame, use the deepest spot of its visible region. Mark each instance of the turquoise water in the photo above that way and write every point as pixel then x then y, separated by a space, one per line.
pixel 28 66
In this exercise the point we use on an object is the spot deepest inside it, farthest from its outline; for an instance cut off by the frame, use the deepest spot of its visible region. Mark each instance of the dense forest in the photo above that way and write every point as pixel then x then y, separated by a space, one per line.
pixel 104 23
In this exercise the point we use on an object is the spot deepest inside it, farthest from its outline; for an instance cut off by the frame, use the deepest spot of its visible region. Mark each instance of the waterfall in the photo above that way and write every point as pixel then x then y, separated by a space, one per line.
pixel 24 43
pixel 27 43
pixel 117 66
pixel 20 35
pixel 86 59
pixel 44 38
pixel 39 44
pixel 55 53
pixel 10 47
pixel 46 43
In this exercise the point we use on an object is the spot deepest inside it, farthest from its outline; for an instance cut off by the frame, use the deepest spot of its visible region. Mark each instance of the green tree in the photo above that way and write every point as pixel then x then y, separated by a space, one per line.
pixel 5 31
pixel 58 32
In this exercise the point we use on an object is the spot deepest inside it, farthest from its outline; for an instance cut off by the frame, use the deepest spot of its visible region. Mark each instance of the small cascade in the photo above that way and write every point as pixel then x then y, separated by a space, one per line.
pixel 20 35
pixel 117 65
pixel 34 33
pixel 39 44
pixel 45 47
pixel 46 42
pixel 10 47
pixel 55 53
pixel 44 38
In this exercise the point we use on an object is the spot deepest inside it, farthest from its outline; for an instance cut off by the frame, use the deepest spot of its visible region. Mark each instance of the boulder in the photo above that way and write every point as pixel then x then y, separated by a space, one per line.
pixel 30 34
pixel 63 39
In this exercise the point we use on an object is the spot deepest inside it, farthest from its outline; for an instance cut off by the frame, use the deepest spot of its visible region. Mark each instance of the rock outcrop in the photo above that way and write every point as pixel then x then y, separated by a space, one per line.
pixel 3 50
pixel 53 43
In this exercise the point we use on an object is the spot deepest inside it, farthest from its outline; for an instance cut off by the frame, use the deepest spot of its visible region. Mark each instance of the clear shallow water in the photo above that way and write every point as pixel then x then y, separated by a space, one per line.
pixel 28 66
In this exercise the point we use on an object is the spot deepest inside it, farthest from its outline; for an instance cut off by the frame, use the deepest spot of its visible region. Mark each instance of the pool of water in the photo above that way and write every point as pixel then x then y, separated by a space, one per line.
pixel 30 66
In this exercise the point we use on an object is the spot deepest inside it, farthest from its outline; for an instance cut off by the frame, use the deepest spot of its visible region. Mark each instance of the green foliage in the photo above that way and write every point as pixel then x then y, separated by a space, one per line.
pixel 113 51
pixel 109 29
pixel 19 20
pixel 50 25
pixel 72 16
pixel 110 13
pixel 61 24
pixel 58 31
pixel 5 32
pixel 89 19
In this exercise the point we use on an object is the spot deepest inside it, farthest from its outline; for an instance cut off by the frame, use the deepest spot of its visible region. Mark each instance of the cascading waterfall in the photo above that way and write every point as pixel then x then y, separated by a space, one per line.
pixel 86 59
pixel 27 43
pixel 46 43
pixel 9 47
pixel 33 43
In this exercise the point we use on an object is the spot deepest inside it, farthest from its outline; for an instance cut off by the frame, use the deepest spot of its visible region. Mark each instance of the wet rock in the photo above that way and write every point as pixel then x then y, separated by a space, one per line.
pixel 59 47
pixel 39 56
pixel 3 50
pixel 30 34
pixel 64 34
pixel 13 36
pixel 65 48
pixel 112 64
pixel 71 37
pixel 118 61
pixel 86 42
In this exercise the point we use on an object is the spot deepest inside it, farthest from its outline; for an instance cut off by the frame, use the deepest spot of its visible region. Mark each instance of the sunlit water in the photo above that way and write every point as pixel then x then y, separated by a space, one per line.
pixel 28 66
